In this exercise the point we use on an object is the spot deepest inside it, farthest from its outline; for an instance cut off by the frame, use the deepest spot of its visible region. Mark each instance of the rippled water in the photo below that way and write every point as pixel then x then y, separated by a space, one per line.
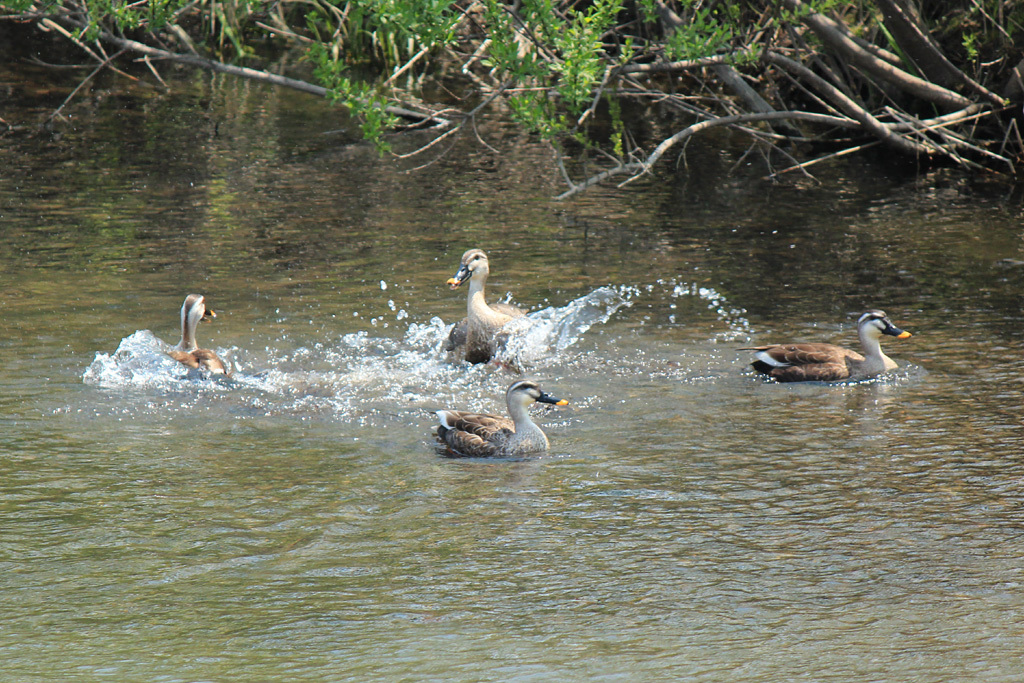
pixel 691 521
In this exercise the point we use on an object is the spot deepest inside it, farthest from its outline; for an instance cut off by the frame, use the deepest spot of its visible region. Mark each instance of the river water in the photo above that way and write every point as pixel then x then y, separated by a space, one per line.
pixel 691 520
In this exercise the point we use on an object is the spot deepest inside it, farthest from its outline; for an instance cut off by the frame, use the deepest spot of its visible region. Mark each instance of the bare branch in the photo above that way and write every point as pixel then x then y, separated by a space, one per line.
pixel 834 155
pixel 254 74
pixel 406 66
pixel 685 65
pixel 56 112
pixel 901 19
pixel 640 167
pixel 838 40
pixel 845 104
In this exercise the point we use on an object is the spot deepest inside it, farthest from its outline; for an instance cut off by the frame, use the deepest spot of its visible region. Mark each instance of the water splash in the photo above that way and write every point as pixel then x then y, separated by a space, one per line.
pixel 141 360
pixel 358 376
pixel 370 379
pixel 550 331
pixel 738 327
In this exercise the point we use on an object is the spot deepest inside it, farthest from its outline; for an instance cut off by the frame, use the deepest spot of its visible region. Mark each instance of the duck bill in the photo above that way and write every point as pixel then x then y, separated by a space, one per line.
pixel 894 331
pixel 460 277
pixel 545 398
pixel 208 314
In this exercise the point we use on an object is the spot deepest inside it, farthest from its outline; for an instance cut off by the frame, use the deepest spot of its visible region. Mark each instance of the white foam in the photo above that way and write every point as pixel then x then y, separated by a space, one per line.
pixel 368 378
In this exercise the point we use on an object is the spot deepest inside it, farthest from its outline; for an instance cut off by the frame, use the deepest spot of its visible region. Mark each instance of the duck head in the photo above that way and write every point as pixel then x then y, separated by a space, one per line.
pixel 474 266
pixel 526 392
pixel 875 323
pixel 193 311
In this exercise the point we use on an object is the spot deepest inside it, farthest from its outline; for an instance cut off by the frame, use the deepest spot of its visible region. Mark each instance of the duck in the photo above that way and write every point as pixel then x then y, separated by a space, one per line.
pixel 828 362
pixel 477 435
pixel 187 352
pixel 478 337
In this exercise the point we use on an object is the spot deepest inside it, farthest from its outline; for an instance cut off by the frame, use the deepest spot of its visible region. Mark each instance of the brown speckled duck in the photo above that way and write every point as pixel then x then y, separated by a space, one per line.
pixel 478 337
pixel 827 362
pixel 187 352
pixel 483 436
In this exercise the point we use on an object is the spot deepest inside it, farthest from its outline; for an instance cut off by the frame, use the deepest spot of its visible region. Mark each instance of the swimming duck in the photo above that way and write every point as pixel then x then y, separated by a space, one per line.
pixel 827 362
pixel 482 436
pixel 478 337
pixel 187 352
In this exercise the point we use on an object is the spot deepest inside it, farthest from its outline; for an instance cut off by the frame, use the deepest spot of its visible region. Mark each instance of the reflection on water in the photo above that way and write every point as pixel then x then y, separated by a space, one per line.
pixel 692 520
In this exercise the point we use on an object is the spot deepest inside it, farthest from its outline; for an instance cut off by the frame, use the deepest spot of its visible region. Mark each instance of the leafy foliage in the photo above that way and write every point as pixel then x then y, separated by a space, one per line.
pixel 355 94
pixel 562 65
pixel 711 29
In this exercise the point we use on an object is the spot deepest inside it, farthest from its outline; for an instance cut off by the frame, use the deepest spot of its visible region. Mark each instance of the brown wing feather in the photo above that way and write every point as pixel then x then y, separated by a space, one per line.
pixel 464 443
pixel 805 362
pixel 460 331
pixel 484 426
pixel 806 354
pixel 457 337
pixel 474 434
pixel 208 360
pixel 200 358
pixel 185 358
pixel 817 372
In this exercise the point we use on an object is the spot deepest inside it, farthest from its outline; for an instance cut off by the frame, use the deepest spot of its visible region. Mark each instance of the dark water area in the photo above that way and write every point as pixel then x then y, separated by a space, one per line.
pixel 691 520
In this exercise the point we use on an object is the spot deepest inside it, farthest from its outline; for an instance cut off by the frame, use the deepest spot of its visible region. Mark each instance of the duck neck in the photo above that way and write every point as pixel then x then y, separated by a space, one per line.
pixel 476 304
pixel 188 335
pixel 526 430
pixel 873 355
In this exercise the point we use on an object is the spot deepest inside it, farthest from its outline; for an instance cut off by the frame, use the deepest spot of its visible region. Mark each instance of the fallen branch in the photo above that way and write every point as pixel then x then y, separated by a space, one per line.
pixel 470 116
pixel 254 74
pixel 951 140
pixel 54 26
pixel 684 65
pixel 900 19
pixel 638 168
pixel 56 112
pixel 834 155
pixel 842 43
pixel 847 106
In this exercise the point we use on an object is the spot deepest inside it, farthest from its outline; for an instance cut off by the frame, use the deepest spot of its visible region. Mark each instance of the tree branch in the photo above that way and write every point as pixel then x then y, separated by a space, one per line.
pixel 254 74
pixel 902 21
pixel 845 104
pixel 640 167
pixel 842 43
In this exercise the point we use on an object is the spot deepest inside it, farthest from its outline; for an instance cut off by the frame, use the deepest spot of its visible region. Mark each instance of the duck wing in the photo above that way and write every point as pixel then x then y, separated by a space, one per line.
pixel 460 331
pixel 209 361
pixel 467 444
pixel 818 372
pixel 481 425
pixel 473 434
pixel 184 357
pixel 803 362
pixel 457 337
pixel 479 344
pixel 204 359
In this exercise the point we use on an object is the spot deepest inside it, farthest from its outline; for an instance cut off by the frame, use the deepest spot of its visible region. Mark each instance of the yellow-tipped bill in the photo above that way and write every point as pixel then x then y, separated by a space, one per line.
pixel 903 335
